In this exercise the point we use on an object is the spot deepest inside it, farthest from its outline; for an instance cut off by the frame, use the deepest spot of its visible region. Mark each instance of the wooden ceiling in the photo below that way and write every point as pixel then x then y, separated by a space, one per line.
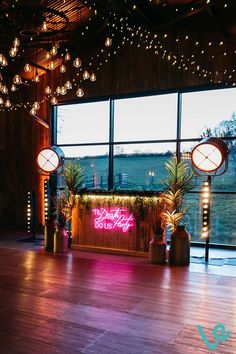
pixel 84 24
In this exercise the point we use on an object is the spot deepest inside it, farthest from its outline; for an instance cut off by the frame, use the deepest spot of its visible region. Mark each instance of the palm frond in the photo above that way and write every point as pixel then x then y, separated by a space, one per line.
pixel 74 176
pixel 172 219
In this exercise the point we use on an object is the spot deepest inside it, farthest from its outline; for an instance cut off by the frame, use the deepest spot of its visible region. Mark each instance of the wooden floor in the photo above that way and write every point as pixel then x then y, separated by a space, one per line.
pixel 104 304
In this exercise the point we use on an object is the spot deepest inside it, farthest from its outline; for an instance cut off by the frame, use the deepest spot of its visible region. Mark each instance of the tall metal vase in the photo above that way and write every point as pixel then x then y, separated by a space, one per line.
pixel 157 250
pixel 179 246
pixel 60 240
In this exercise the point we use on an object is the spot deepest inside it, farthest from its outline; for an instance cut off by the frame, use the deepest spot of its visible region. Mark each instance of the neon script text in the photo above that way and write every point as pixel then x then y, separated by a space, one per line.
pixel 113 219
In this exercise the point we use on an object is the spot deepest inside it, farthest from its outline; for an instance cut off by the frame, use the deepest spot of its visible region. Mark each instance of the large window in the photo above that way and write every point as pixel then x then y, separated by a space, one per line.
pixel 124 144
pixel 146 118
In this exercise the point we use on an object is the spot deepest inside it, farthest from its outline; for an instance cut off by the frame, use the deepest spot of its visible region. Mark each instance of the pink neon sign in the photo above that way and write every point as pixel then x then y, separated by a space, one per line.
pixel 113 219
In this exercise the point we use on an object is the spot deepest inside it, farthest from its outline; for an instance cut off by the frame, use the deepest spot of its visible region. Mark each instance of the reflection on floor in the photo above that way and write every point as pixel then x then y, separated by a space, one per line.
pixel 91 303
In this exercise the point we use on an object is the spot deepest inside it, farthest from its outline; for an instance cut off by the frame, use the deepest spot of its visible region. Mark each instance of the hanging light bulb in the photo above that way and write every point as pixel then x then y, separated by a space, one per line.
pixel 36 78
pixel 13 88
pixel 1 58
pixel 8 104
pixel 63 91
pixel 1 100
pixel 4 62
pixel 80 92
pixel 1 86
pixel 67 56
pixel 16 42
pixel 93 77
pixel 12 52
pixel 54 100
pixel 33 111
pixel 86 75
pixel 36 105
pixel 108 42
pixel 62 68
pixel 27 68
pixel 57 45
pixel 17 79
pixel 77 62
pixel 4 90
pixel 48 90
pixel 53 51
pixel 58 90
pixel 48 56
pixel 44 26
pixel 68 85
pixel 51 65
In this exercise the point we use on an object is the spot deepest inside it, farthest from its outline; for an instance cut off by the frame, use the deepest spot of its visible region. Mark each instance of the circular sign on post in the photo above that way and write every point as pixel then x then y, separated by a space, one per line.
pixel 50 159
pixel 209 155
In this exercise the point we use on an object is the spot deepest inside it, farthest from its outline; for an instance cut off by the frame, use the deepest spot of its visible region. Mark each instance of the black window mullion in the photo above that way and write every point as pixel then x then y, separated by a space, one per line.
pixel 179 116
pixel 111 146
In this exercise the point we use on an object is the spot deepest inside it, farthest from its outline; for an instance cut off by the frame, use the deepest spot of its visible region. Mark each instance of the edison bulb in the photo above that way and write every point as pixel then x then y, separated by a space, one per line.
pixel 58 90
pixel 1 58
pixel 36 105
pixel 80 92
pixel 68 85
pixel 1 100
pixel 53 51
pixel 48 56
pixel 27 68
pixel 63 91
pixel 108 42
pixel 93 77
pixel 36 78
pixel 86 75
pixel 51 65
pixel 62 68
pixel 13 88
pixel 16 42
pixel 17 79
pixel 77 62
pixel 4 62
pixel 33 111
pixel 8 104
pixel 54 100
pixel 67 56
pixel 12 52
pixel 4 90
pixel 48 90
pixel 44 26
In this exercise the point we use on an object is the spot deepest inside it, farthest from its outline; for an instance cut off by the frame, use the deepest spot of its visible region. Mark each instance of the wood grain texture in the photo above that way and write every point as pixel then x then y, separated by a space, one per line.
pixel 94 303
pixel 137 238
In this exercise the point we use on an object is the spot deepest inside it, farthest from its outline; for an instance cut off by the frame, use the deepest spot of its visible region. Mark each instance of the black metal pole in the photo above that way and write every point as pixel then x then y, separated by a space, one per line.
pixel 207 246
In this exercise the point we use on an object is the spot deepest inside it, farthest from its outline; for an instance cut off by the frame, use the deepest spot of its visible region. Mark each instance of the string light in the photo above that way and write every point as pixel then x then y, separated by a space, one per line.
pixel 77 63
pixel 62 68
pixel 27 68
pixel 80 92
pixel 28 213
pixel 17 79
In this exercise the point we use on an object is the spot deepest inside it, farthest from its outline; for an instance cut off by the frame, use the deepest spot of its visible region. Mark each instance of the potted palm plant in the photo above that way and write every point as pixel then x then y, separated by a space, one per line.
pixel 62 217
pixel 157 246
pixel 73 175
pixel 179 181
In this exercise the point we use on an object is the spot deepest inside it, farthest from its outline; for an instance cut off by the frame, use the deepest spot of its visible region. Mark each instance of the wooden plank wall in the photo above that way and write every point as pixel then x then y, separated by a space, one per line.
pixel 137 238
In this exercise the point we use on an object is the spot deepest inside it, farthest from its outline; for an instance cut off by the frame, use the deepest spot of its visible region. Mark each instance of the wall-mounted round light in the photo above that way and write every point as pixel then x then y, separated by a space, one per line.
pixel 50 159
pixel 209 155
